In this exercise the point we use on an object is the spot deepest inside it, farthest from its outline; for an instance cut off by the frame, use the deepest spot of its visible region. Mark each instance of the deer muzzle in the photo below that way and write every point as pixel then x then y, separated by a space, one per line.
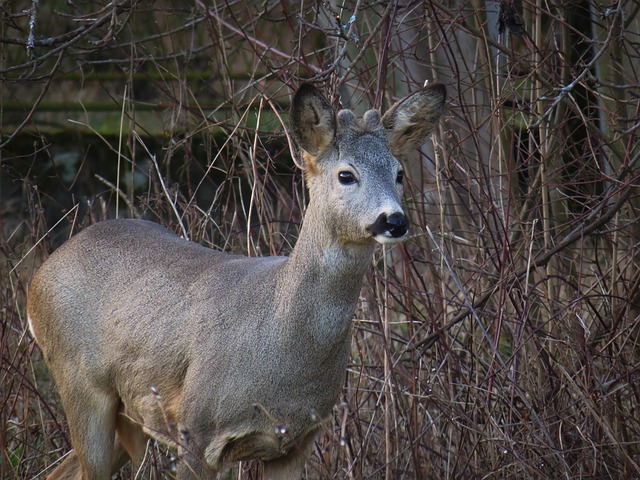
pixel 389 228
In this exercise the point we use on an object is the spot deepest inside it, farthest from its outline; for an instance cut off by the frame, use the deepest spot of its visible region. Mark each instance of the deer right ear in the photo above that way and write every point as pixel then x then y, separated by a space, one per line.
pixel 410 120
pixel 313 120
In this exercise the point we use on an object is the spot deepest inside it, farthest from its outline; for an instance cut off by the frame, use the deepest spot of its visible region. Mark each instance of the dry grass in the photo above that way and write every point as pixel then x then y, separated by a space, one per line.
pixel 500 341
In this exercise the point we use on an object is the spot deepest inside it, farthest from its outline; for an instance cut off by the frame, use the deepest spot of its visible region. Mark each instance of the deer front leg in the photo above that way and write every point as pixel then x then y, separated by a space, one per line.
pixel 192 464
pixel 291 466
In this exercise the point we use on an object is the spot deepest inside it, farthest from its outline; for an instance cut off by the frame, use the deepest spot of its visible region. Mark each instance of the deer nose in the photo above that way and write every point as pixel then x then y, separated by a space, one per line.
pixel 395 225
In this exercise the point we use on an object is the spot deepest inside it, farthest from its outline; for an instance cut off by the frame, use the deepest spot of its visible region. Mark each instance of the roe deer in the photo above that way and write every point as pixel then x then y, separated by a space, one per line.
pixel 225 358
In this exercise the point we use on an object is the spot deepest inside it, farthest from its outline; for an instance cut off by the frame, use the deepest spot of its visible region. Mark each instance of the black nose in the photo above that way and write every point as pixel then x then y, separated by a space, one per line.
pixel 395 225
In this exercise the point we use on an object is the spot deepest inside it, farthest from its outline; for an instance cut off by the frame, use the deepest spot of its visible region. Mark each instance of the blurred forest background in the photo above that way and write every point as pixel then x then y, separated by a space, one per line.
pixel 500 341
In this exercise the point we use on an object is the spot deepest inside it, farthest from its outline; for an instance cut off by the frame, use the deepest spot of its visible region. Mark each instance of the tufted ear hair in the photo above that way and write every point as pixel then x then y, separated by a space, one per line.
pixel 313 120
pixel 412 119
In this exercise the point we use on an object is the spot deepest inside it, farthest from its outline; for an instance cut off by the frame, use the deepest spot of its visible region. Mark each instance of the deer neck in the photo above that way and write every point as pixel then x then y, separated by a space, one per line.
pixel 321 281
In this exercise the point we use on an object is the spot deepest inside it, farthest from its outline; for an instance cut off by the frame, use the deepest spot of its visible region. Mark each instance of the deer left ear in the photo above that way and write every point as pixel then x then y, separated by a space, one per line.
pixel 313 120
pixel 412 119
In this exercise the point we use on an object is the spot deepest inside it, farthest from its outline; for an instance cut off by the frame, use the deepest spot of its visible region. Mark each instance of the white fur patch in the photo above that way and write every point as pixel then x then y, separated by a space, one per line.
pixel 30 322
pixel 386 239
pixel 404 118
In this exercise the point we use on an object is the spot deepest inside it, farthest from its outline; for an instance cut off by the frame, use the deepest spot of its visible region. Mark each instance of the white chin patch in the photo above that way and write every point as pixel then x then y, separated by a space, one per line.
pixel 386 239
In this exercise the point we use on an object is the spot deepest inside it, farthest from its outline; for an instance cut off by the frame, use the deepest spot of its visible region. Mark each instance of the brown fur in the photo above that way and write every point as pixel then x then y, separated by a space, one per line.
pixel 222 356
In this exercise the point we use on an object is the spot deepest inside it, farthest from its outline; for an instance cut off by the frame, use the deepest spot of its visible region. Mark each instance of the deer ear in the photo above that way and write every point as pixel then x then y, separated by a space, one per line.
pixel 313 120
pixel 410 120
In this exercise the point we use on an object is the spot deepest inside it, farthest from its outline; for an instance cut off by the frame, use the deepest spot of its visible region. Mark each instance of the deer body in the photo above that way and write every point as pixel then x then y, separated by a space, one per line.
pixel 226 357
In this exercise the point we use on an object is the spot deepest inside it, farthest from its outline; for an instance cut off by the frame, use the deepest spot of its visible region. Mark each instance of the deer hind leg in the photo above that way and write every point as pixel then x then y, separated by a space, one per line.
pixel 131 441
pixel 91 415
pixel 69 469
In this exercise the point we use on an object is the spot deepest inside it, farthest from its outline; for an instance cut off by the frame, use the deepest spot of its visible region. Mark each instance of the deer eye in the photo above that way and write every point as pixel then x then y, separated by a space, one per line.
pixel 346 178
pixel 400 177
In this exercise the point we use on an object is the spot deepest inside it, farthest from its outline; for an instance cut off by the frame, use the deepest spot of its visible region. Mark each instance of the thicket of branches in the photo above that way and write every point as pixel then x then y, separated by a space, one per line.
pixel 500 341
